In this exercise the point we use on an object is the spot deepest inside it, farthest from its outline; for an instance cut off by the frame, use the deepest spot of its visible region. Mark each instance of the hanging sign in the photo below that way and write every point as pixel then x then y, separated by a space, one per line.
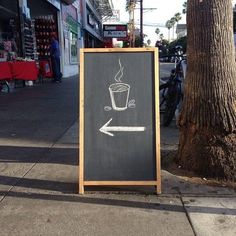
pixel 115 31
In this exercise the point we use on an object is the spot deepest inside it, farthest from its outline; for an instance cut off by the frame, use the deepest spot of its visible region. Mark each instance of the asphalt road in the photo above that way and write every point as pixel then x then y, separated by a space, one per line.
pixel 165 69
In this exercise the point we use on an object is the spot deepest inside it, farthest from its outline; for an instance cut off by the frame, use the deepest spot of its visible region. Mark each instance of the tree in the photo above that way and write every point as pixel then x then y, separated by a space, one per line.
pixel 157 31
pixel 161 36
pixel 148 42
pixel 168 26
pixel 178 42
pixel 172 22
pixel 130 3
pixel 178 17
pixel 138 40
pixel 208 118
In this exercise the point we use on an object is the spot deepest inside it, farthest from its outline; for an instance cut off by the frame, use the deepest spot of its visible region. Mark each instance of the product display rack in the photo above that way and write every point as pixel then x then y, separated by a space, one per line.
pixel 28 39
pixel 45 27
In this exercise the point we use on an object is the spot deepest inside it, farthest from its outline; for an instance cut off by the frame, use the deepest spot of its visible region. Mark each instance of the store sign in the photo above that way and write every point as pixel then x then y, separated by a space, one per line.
pixel 73 24
pixel 55 3
pixel 115 31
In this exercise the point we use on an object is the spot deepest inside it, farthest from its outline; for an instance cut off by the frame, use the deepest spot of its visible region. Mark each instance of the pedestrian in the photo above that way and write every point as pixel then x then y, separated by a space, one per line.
pixel 55 59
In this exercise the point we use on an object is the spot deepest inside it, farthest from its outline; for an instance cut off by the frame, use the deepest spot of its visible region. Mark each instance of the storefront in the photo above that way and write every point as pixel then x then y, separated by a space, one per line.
pixel 93 36
pixel 17 44
pixel 26 27
pixel 45 18
pixel 71 35
pixel 10 37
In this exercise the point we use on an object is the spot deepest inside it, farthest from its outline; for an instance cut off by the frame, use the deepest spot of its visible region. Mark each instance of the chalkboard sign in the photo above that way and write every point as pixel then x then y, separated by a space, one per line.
pixel 119 118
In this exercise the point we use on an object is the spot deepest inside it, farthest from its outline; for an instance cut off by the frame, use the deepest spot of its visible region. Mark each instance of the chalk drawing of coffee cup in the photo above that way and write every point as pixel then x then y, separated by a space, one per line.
pixel 119 93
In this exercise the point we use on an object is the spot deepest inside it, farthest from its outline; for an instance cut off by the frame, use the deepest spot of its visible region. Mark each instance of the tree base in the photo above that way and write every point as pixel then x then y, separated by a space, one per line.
pixel 208 153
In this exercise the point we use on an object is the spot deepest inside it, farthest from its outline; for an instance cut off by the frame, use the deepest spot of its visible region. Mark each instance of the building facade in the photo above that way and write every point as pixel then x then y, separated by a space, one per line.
pixel 26 27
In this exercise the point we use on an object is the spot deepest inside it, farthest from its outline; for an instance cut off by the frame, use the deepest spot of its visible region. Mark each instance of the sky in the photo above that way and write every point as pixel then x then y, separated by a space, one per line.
pixel 162 11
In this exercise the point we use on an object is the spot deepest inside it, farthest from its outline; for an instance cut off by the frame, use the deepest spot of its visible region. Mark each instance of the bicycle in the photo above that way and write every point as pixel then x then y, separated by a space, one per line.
pixel 172 91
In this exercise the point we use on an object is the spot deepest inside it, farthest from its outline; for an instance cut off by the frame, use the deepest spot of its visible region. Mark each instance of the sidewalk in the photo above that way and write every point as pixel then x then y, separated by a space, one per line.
pixel 39 180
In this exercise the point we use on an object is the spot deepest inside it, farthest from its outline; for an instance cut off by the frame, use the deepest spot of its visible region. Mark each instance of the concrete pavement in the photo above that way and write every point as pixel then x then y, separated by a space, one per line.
pixel 39 179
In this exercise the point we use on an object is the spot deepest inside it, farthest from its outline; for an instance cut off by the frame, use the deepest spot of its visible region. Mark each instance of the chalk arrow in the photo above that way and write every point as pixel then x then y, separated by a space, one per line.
pixel 108 129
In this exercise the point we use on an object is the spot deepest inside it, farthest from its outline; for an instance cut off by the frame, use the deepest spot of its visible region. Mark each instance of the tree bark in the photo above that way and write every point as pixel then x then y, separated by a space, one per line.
pixel 208 118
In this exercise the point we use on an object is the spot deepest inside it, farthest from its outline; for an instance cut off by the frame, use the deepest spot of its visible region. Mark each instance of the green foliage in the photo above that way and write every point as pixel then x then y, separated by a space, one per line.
pixel 177 17
pixel 168 24
pixel 157 31
pixel 181 41
pixel 185 8
pixel 148 42
pixel 161 36
pixel 137 42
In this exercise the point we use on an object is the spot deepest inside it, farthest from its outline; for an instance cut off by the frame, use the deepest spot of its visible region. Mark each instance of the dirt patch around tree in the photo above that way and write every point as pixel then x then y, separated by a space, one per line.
pixel 194 178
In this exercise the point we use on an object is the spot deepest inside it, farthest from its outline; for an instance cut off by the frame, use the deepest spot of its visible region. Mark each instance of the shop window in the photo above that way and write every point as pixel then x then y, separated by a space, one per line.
pixel 73 48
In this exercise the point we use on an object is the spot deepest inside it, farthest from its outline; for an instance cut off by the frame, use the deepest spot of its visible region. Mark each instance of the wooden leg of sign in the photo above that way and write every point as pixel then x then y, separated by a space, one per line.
pixel 81 180
pixel 157 124
pixel 81 189
pixel 81 125
pixel 158 188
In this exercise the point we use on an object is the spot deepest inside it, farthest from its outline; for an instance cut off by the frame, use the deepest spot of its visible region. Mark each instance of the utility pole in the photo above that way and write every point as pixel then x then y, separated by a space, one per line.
pixel 141 23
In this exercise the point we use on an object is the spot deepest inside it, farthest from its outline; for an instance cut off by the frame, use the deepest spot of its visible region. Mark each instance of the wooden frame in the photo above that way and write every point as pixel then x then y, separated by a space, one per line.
pixel 157 182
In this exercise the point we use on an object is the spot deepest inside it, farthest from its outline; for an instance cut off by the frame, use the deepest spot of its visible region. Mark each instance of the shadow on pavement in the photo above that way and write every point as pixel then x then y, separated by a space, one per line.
pixel 50 185
pixel 65 156
pixel 123 203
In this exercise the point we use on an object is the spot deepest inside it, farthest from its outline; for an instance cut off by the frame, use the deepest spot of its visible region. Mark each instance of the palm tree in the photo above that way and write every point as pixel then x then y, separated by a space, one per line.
pixel 157 31
pixel 161 36
pixel 172 22
pixel 178 17
pixel 208 117
pixel 168 26
pixel 185 8
pixel 130 3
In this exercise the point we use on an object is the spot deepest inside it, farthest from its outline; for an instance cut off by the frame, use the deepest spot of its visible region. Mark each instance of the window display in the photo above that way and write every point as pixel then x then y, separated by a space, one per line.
pixel 45 27
pixel 29 39
pixel 9 40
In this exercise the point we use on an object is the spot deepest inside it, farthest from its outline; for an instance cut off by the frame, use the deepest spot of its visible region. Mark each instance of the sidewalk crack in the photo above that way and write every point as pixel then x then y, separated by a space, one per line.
pixel 187 214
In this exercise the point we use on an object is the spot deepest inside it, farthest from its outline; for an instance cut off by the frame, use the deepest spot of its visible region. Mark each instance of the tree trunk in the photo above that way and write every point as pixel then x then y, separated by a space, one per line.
pixel 208 118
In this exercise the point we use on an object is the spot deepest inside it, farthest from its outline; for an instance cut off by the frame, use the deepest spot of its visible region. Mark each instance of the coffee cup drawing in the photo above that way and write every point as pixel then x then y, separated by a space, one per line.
pixel 119 93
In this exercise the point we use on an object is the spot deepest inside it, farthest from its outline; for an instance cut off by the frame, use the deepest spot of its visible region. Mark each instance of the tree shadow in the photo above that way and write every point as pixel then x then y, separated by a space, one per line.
pixel 121 203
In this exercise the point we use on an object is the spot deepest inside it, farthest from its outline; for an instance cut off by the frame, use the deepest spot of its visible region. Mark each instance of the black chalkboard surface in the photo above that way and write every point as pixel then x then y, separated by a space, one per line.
pixel 119 117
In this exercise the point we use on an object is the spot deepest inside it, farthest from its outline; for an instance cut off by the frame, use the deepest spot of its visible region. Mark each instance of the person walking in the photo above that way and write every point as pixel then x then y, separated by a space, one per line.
pixel 55 59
